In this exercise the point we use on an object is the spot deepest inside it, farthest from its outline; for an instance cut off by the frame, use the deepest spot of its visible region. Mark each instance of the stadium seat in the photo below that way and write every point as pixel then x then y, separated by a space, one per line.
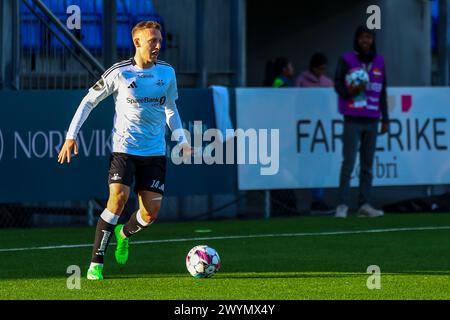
pixel 128 14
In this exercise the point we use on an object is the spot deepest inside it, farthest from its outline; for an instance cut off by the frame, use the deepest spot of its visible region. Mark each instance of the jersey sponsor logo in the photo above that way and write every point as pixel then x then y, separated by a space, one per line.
pixel 143 75
pixel 99 85
pixel 133 85
pixel 160 101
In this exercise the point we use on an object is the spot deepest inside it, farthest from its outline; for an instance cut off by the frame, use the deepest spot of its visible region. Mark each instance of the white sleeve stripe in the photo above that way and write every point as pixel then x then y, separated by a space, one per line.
pixel 117 63
pixel 110 70
pixel 114 66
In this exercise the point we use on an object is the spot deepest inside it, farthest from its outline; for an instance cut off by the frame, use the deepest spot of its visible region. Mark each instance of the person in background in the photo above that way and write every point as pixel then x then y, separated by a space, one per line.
pixel 362 106
pixel 283 73
pixel 312 78
pixel 315 75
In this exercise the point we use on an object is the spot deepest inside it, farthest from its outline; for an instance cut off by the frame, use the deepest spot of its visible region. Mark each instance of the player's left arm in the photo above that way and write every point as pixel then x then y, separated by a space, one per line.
pixel 173 118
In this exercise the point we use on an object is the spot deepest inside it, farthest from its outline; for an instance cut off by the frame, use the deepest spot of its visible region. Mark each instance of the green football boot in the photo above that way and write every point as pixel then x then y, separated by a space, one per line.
pixel 95 273
pixel 122 246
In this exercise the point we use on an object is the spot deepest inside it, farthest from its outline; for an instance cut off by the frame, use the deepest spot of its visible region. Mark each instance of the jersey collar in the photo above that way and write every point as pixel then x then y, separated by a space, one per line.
pixel 133 62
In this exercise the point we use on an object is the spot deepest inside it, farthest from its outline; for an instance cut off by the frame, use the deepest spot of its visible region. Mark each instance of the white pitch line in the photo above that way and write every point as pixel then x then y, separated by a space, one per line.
pixel 270 235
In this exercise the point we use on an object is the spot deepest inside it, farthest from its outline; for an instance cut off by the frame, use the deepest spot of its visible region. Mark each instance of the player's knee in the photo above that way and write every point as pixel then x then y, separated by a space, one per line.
pixel 150 212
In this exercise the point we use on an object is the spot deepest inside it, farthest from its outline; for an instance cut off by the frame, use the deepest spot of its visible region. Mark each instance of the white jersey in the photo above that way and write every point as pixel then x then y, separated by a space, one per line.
pixel 145 101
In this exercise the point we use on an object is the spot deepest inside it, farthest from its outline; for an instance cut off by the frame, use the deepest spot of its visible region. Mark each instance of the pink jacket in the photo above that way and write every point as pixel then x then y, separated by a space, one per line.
pixel 308 79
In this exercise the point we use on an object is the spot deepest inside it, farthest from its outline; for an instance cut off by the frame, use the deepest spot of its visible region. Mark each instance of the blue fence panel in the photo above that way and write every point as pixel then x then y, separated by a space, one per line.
pixel 32 125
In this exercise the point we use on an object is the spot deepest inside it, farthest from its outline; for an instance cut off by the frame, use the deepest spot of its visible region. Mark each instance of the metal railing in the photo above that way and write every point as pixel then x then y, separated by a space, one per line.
pixel 49 57
pixel 52 57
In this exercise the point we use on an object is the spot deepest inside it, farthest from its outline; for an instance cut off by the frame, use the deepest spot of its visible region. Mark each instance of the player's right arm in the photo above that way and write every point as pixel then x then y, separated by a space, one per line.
pixel 100 91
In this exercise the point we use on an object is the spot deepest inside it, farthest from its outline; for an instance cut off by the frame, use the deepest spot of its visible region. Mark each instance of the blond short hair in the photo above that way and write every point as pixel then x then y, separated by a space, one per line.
pixel 145 25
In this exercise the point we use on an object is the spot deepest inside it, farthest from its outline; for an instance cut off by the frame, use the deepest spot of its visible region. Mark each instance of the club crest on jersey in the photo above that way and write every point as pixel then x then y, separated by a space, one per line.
pixel 160 83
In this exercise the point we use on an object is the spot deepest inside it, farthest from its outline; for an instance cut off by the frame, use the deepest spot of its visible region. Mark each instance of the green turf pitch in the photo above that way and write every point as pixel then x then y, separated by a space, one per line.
pixel 313 265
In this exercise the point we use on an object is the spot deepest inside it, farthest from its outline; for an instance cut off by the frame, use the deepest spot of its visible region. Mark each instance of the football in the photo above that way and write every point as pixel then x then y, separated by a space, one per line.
pixel 356 77
pixel 202 261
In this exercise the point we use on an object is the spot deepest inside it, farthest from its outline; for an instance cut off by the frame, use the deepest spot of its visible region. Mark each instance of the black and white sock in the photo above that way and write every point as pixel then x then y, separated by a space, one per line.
pixel 103 233
pixel 134 225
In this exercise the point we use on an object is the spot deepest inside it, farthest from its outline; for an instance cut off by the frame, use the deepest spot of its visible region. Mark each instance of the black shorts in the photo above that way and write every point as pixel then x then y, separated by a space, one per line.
pixel 149 173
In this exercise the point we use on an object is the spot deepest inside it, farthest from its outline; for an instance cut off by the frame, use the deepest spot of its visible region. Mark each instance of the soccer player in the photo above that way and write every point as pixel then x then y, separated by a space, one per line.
pixel 144 90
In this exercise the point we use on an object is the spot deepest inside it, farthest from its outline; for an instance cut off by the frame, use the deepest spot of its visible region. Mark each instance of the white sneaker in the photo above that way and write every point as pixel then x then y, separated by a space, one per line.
pixel 368 211
pixel 341 211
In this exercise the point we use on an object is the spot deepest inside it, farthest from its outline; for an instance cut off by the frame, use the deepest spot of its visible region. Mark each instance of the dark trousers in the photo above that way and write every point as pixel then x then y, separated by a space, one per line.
pixel 360 135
